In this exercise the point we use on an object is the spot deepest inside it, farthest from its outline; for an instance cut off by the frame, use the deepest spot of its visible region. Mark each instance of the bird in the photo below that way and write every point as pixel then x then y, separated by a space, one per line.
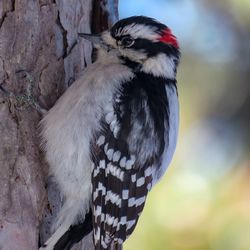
pixel 112 135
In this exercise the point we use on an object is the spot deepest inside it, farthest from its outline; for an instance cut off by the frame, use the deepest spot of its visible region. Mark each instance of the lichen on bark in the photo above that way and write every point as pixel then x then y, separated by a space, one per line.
pixel 38 37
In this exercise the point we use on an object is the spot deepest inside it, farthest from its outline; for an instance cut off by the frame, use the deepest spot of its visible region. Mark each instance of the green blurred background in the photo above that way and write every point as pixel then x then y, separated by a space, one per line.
pixel 203 202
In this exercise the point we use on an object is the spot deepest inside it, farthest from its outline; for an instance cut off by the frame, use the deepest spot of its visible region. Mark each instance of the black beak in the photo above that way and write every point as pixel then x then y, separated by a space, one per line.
pixel 95 39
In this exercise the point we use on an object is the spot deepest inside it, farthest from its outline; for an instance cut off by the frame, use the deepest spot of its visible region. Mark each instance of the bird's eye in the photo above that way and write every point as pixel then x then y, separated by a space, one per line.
pixel 127 41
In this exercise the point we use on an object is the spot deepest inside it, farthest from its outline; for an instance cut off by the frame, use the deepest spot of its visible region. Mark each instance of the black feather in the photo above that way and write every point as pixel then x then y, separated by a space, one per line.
pixel 75 233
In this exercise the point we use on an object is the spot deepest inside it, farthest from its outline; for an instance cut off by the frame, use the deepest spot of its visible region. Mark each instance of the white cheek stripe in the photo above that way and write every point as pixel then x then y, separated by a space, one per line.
pixel 140 182
pixel 161 65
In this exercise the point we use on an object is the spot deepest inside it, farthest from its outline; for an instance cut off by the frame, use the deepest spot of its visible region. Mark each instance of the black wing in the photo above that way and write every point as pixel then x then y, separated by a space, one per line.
pixel 126 153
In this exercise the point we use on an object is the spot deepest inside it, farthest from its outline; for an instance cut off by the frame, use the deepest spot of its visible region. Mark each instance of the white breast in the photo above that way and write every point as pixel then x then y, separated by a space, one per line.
pixel 69 125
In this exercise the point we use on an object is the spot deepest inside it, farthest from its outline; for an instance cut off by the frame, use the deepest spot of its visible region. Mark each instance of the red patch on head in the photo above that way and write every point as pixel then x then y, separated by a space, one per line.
pixel 169 38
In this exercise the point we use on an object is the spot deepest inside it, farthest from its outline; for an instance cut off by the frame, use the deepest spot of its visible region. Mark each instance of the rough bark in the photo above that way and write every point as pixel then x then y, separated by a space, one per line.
pixel 38 37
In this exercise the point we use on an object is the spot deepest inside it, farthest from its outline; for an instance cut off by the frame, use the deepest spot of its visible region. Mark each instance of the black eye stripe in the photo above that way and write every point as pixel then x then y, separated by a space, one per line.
pixel 153 48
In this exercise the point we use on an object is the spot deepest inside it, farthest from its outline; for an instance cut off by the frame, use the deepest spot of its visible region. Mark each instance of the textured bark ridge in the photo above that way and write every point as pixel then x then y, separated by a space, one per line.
pixel 39 48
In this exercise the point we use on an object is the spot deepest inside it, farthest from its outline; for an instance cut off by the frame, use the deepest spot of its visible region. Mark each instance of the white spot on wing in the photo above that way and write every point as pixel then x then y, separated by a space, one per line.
pixel 95 194
pixel 109 219
pixel 120 241
pixel 97 235
pixel 113 125
pixel 106 148
pixel 136 202
pixel 140 201
pixel 115 171
pixel 96 172
pixel 131 202
pixel 148 171
pixel 109 117
pixel 140 182
pixel 125 194
pixel 98 211
pixel 116 156
pixel 123 220
pixel 149 186
pixel 101 188
pixel 102 216
pixel 110 153
pixel 115 222
pixel 116 131
pixel 130 162
pixel 102 164
pixel 133 178
pixel 118 98
pixel 123 162
pixel 113 198
pixel 101 140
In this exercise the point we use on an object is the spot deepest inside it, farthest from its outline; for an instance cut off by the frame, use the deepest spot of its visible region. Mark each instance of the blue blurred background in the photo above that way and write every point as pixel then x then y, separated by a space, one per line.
pixel 203 202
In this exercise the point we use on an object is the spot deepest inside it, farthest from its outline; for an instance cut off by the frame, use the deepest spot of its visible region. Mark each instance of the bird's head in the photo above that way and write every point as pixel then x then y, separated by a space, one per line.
pixel 142 43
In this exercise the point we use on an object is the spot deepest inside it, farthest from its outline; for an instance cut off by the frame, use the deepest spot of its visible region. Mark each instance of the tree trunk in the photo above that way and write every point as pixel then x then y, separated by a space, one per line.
pixel 39 52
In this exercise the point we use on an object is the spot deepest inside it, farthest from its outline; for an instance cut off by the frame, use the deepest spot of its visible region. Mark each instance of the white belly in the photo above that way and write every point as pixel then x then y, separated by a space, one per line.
pixel 68 127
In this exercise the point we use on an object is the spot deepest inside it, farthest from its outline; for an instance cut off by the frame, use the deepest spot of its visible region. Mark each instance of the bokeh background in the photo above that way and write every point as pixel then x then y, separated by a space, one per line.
pixel 203 202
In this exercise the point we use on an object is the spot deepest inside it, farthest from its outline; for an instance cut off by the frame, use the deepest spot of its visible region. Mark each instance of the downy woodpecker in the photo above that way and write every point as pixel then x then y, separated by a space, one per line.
pixel 112 134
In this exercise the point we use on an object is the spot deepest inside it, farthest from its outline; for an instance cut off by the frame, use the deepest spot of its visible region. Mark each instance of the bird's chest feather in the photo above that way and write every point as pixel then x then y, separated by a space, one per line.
pixel 69 126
